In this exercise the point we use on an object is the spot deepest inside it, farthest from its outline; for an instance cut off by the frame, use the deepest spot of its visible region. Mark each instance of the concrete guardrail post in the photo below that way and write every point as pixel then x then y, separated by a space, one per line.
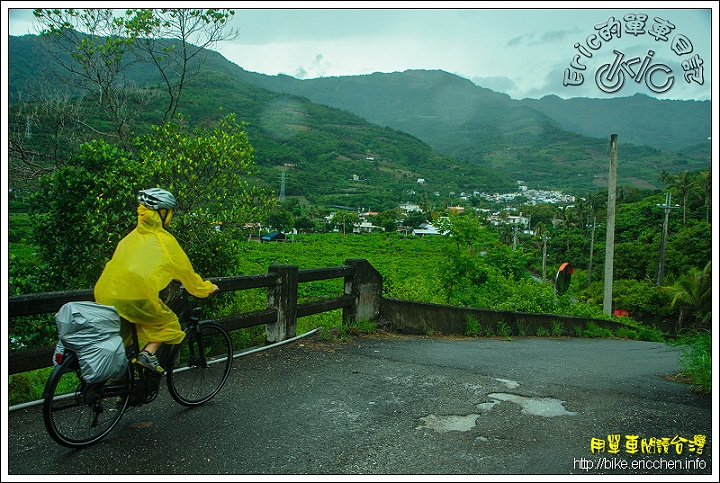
pixel 365 285
pixel 283 298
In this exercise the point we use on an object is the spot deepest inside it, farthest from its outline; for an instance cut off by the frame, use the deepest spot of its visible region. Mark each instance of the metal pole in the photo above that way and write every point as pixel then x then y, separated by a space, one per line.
pixel 661 265
pixel 592 242
pixel 610 233
pixel 545 239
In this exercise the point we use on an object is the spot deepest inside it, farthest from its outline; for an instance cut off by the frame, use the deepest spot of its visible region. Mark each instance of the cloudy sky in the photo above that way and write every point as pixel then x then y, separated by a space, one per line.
pixel 523 52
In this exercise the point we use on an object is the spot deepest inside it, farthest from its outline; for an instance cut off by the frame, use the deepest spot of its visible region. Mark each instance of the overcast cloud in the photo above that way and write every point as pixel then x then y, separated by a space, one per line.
pixel 520 51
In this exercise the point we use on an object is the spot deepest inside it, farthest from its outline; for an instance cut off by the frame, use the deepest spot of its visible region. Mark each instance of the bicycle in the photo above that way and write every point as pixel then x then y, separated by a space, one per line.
pixel 78 414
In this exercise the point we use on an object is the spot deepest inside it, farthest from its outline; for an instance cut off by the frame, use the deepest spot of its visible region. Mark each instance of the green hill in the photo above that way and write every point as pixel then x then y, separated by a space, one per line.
pixel 366 140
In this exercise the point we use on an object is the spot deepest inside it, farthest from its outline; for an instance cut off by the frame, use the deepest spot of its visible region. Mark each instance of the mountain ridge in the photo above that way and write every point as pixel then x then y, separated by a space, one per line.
pixel 509 139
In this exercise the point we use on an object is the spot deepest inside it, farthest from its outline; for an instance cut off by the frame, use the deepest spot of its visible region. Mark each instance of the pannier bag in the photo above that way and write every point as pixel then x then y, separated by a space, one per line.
pixel 92 331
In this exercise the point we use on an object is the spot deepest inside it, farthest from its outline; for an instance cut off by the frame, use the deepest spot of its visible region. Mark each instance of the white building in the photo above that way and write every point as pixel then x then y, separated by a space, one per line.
pixel 426 229
pixel 408 207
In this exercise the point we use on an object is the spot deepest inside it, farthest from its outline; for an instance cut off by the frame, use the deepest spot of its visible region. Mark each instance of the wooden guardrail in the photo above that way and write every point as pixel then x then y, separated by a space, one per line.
pixel 360 300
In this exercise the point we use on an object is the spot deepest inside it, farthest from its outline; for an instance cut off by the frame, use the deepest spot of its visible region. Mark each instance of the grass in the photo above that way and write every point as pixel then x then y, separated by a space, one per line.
pixel 357 328
pixel 696 360
pixel 504 330
pixel 472 327
pixel 27 386
pixel 595 331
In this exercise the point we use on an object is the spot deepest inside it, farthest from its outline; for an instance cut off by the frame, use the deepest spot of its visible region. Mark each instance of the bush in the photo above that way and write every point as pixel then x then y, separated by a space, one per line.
pixel 27 386
pixel 626 333
pixel 504 330
pixel 472 327
pixel 595 331
pixel 696 359
pixel 651 334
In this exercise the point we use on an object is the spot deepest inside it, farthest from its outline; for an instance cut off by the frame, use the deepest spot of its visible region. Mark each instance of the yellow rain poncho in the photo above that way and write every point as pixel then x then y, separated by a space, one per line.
pixel 145 262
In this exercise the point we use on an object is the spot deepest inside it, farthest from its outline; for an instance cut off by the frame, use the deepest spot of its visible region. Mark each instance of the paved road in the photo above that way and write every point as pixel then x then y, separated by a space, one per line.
pixel 405 406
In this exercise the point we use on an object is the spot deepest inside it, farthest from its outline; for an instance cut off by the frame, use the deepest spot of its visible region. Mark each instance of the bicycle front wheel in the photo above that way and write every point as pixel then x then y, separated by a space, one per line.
pixel 201 364
pixel 78 414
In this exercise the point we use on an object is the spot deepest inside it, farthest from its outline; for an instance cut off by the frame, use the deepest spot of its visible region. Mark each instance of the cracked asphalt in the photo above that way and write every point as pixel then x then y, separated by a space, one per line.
pixel 408 405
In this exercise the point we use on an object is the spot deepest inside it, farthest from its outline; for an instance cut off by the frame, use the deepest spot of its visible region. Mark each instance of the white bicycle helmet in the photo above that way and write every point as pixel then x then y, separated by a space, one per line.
pixel 157 199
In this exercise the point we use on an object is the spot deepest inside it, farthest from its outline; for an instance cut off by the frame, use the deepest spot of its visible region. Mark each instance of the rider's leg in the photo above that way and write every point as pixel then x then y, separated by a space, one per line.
pixel 151 347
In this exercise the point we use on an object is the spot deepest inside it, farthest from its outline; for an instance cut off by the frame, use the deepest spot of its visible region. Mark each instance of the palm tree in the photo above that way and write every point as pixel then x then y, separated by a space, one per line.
pixel 568 222
pixel 663 177
pixel 691 293
pixel 683 184
pixel 581 207
pixel 505 233
pixel 704 182
pixel 620 193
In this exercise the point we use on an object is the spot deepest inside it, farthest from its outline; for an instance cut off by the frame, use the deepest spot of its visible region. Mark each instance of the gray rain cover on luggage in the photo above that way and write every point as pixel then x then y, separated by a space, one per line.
pixel 92 330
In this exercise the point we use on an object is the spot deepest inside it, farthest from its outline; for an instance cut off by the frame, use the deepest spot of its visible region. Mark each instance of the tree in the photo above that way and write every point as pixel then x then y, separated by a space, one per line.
pixel 387 219
pixel 83 209
pixel 208 170
pixel 346 220
pixel 474 256
pixel 568 223
pixel 505 232
pixel 691 294
pixel 42 133
pixel 415 218
pixel 175 41
pixel 704 182
pixel 683 184
pixel 90 50
pixel 540 213
pixel 581 213
pixel 304 224
pixel 280 219
pixel 663 176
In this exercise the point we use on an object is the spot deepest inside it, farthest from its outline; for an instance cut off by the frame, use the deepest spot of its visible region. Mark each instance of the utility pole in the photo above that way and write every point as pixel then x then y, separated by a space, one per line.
pixel 545 239
pixel 661 266
pixel 592 242
pixel 610 233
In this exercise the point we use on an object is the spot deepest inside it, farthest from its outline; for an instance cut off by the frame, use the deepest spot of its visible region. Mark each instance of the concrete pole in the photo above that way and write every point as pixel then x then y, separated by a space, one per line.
pixel 592 242
pixel 545 239
pixel 610 233
pixel 661 265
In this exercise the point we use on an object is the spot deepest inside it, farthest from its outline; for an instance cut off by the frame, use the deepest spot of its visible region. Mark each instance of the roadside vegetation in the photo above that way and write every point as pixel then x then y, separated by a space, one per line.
pixel 412 268
pixel 68 210
pixel 696 360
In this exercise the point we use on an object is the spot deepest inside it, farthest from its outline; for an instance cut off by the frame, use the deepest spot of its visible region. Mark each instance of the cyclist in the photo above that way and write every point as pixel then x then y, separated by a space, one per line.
pixel 145 262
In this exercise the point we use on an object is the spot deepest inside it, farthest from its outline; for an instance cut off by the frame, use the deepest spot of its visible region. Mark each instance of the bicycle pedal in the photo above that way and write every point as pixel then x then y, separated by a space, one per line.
pixel 150 397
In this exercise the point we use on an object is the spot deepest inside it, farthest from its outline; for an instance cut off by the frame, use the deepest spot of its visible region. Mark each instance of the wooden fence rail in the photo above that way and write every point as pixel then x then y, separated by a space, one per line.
pixel 361 299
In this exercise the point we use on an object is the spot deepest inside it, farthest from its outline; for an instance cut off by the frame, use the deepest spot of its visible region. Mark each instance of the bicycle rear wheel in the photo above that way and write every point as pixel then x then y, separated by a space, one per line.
pixel 78 414
pixel 201 364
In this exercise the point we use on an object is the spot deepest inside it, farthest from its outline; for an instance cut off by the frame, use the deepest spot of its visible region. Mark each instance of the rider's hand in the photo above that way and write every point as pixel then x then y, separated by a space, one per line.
pixel 215 288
